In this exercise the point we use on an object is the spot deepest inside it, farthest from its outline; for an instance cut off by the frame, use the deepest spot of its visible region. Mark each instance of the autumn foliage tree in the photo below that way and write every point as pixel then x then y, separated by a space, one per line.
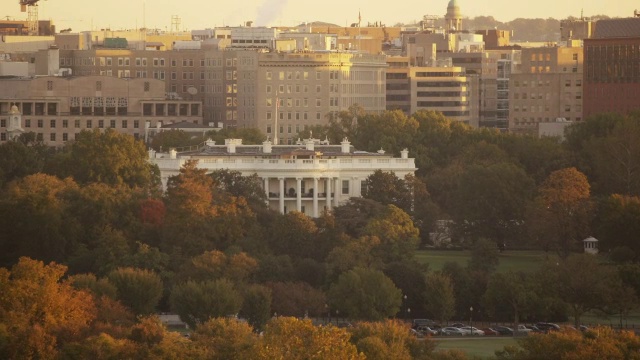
pixel 39 312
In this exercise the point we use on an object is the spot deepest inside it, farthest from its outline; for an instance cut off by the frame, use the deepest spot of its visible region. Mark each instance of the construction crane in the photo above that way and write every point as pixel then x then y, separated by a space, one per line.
pixel 31 8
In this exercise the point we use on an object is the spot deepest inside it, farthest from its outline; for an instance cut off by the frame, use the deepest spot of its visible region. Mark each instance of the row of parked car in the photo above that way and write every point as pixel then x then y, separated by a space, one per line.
pixel 424 327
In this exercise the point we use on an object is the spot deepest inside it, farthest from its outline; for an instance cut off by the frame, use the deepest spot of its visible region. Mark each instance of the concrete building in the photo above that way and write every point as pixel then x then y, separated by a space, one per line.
pixel 281 93
pixel 57 108
pixel 548 87
pixel 612 69
pixel 445 89
pixel 309 177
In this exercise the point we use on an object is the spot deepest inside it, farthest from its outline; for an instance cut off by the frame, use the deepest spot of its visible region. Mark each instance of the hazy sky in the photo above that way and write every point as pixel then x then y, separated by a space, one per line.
pixel 200 14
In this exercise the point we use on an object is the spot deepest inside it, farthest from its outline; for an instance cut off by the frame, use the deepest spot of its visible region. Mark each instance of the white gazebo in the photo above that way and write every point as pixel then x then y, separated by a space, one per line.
pixel 590 245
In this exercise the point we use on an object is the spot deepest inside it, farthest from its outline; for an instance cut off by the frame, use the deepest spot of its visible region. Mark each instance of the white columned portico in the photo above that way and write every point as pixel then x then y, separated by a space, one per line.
pixel 266 188
pixel 315 197
pixel 281 195
pixel 338 189
pixel 298 194
pixel 327 188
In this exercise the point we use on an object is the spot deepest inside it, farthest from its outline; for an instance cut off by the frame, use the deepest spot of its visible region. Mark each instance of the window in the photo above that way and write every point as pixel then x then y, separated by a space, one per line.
pixel 49 85
pixel 345 187
pixel 52 136
pixel 101 124
pixel 27 123
pixel 124 124
pixel 89 124
pixel 136 124
pixel 65 123
pixel 112 124
pixel 268 75
pixel 3 122
pixel 40 123
pixel 65 137
pixel 52 123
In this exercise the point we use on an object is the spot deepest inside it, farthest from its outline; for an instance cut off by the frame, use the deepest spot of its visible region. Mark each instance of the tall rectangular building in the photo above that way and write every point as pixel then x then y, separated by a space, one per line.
pixel 612 67
pixel 548 87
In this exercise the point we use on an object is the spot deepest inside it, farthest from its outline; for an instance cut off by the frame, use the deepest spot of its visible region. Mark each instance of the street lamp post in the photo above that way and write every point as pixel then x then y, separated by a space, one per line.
pixel 471 319
pixel 405 305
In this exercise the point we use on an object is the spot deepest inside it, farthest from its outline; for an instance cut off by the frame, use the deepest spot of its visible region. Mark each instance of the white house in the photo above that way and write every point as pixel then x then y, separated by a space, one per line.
pixel 307 177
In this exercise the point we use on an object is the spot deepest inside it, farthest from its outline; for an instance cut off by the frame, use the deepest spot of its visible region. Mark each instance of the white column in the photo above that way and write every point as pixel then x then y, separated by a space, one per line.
pixel 355 188
pixel 327 188
pixel 338 190
pixel 315 197
pixel 298 194
pixel 266 189
pixel 281 195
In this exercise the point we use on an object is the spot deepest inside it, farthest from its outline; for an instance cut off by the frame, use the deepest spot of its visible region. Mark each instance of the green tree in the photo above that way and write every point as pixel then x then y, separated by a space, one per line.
pixel 509 292
pixel 485 256
pixel 138 289
pixel 249 136
pixel 166 140
pixel 35 220
pixel 386 188
pixel 109 157
pixel 440 301
pixel 296 235
pixel 19 159
pixel 256 306
pixel 616 223
pixel 234 183
pixel 365 294
pixel 398 236
pixel 296 299
pixel 197 302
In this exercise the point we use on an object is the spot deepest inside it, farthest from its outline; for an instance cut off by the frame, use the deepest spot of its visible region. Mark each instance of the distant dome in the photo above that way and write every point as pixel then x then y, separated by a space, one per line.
pixel 453 8
pixel 14 109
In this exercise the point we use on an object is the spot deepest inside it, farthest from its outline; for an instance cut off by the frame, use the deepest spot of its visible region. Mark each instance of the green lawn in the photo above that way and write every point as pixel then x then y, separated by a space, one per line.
pixel 509 260
pixel 480 347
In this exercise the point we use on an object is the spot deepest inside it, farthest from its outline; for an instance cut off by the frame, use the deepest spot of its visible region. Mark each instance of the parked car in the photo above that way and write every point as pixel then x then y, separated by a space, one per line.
pixel 490 331
pixel 504 330
pixel 426 330
pixel 449 331
pixel 472 331
pixel 416 333
pixel 522 329
pixel 546 327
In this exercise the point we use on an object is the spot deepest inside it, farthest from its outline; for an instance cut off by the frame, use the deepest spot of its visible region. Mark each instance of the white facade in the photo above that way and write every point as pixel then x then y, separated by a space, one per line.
pixel 308 177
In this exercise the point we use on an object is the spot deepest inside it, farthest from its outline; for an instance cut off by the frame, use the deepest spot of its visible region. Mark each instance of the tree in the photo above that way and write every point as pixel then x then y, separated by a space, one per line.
pixel 582 283
pixel 510 292
pixel 491 200
pixel 226 339
pixel 18 159
pixel 109 157
pixel 296 235
pixel 616 223
pixel 409 277
pixel 290 338
pixel 197 302
pixel 249 136
pixel 296 299
pixel 398 236
pixel 215 264
pixel 365 294
pixel 386 188
pixel 234 183
pixel 35 221
pixel 485 256
pixel 39 312
pixel 256 306
pixel 166 140
pixel 389 339
pixel 561 211
pixel 138 289
pixel 440 298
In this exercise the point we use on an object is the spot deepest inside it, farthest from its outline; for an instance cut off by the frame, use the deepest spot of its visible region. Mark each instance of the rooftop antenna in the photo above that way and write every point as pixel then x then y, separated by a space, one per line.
pixel 582 14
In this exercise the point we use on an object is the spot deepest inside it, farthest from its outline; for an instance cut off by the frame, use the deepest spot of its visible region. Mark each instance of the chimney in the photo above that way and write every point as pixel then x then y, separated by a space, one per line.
pixel 209 142
pixel 266 147
pixel 173 154
pixel 404 154
pixel 346 148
